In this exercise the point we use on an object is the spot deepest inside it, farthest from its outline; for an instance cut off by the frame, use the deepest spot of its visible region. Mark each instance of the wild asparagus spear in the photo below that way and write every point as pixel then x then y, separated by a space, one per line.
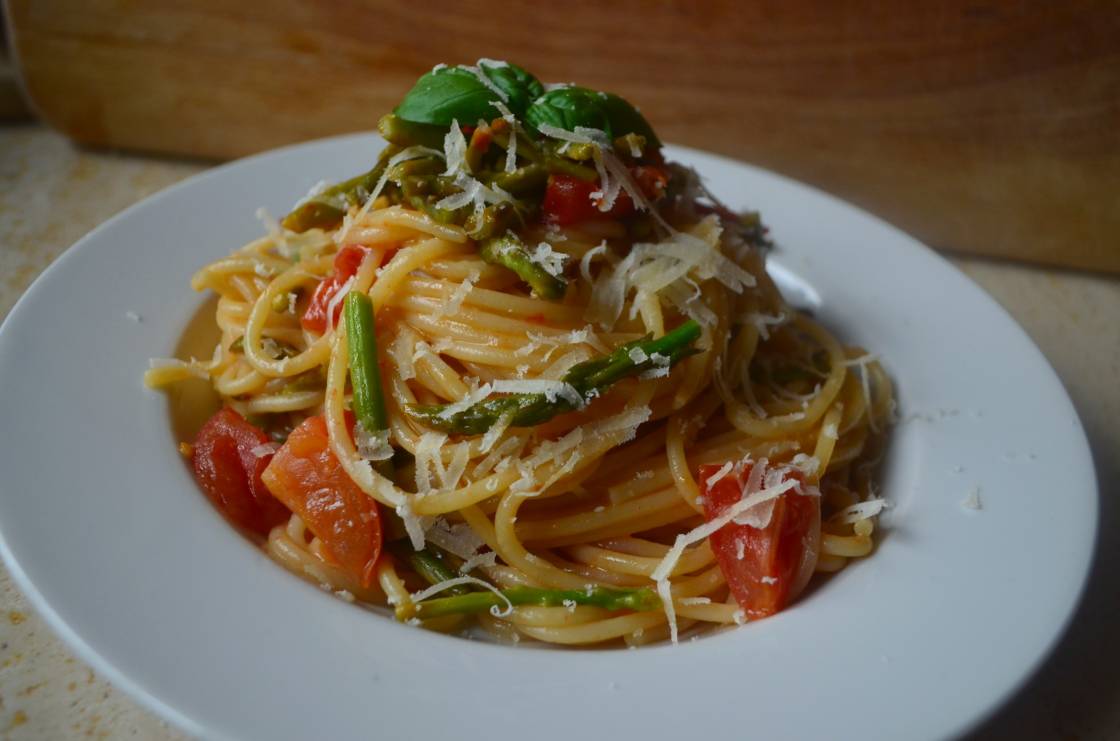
pixel 590 379
pixel 325 210
pixel 396 130
pixel 365 373
pixel 638 600
pixel 428 565
pixel 510 252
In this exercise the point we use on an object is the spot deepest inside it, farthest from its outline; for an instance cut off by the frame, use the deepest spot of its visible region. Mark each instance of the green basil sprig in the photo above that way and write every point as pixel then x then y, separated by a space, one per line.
pixel 448 94
pixel 572 106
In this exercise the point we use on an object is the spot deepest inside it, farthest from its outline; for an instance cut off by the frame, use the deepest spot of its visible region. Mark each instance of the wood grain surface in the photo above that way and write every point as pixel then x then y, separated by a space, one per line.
pixel 978 126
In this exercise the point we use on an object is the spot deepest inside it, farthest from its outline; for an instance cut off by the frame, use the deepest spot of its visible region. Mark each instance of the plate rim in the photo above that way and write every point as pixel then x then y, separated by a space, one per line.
pixel 165 709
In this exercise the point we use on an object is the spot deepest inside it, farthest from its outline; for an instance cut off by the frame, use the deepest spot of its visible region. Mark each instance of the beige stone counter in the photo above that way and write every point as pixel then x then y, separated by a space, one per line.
pixel 51 194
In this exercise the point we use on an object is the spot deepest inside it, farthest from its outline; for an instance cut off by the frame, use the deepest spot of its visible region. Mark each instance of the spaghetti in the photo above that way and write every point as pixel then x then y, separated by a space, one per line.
pixel 525 375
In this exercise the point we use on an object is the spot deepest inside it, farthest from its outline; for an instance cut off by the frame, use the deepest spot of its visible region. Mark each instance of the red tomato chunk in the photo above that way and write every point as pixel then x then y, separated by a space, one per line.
pixel 765 568
pixel 307 477
pixel 346 264
pixel 229 473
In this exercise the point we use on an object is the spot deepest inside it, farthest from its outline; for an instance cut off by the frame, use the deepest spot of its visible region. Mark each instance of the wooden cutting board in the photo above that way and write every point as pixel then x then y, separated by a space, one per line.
pixel 979 126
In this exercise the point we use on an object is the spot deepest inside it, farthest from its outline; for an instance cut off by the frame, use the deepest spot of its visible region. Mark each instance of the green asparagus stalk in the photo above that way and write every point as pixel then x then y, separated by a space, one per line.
pixel 365 373
pixel 590 379
pixel 509 252
pixel 326 209
pixel 496 218
pixel 428 565
pixel 524 410
pixel 404 134
pixel 639 600
pixel 522 180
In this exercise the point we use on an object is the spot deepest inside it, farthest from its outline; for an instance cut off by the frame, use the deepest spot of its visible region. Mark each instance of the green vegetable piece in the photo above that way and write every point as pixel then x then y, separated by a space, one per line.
pixel 523 180
pixel 325 210
pixel 449 94
pixel 569 107
pixel 365 373
pixel 573 106
pixel 626 119
pixel 510 252
pixel 521 87
pixel 404 134
pixel 602 373
pixel 642 599
pixel 524 410
pixel 590 379
pixel 496 218
pixel 427 564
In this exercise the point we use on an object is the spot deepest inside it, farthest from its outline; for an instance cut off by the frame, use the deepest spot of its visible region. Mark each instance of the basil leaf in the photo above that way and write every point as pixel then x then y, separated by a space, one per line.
pixel 456 93
pixel 447 94
pixel 625 119
pixel 521 87
pixel 569 107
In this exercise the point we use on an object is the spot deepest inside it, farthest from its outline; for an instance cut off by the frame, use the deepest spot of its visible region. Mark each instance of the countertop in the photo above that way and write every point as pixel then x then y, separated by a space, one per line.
pixel 52 193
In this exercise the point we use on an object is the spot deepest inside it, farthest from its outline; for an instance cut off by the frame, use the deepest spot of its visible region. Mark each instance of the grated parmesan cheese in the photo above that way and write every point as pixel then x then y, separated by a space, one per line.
pixel 455 150
pixel 500 455
pixel 591 254
pixel 401 351
pixel 718 475
pixel 454 302
pixel 811 465
pixel 264 449
pixel 859 511
pixel 414 525
pixel 479 559
pixel 459 539
pixel 665 592
pixel 484 79
pixel 511 149
pixel 690 601
pixel 372 445
pixel 472 397
pixel 450 478
pixel 428 454
pixel 670 268
pixel 763 322
pixel 549 260
pixel 552 390
pixel 337 299
pixel 862 362
pixel 637 355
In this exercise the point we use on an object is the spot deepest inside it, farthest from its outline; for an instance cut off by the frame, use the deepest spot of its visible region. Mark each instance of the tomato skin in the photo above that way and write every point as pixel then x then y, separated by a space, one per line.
pixel 229 473
pixel 346 264
pixel 773 567
pixel 307 477
pixel 651 180
pixel 568 200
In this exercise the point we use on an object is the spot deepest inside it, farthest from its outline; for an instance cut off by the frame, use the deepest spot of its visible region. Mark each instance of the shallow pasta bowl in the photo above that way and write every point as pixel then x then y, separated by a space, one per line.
pixel 103 528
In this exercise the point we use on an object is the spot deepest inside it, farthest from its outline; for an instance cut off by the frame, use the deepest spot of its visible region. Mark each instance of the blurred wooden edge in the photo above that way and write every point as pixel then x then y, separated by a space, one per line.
pixel 13 104
pixel 982 127
pixel 13 107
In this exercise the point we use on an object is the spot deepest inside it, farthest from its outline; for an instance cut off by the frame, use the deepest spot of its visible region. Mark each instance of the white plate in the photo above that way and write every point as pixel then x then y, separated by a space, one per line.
pixel 104 529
